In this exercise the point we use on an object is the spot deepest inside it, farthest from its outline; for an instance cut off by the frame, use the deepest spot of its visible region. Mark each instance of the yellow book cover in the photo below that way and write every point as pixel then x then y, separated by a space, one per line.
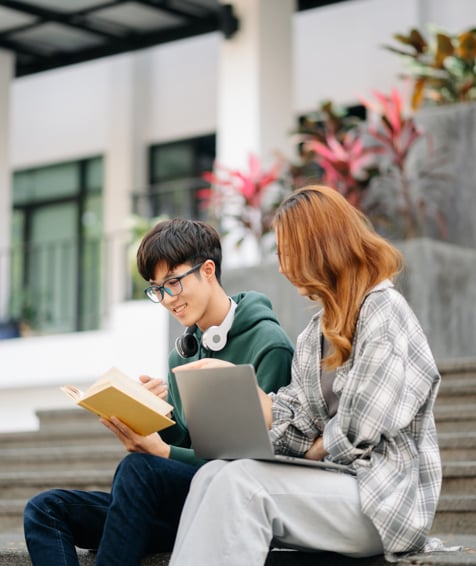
pixel 116 394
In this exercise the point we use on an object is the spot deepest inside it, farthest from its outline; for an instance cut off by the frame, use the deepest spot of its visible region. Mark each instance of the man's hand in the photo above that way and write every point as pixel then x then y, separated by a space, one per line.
pixel 204 363
pixel 317 450
pixel 133 442
pixel 156 386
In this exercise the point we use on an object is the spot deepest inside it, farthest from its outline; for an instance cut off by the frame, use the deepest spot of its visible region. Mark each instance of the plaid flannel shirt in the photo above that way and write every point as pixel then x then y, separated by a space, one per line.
pixel 384 427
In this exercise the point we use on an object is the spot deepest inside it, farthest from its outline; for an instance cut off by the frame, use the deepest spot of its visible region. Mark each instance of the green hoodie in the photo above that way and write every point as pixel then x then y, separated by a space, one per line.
pixel 256 338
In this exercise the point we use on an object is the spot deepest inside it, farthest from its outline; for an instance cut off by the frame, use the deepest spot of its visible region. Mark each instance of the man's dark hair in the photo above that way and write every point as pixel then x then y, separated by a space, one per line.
pixel 177 241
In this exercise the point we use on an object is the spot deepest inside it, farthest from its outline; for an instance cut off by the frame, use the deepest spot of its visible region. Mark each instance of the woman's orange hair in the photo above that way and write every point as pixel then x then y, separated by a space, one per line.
pixel 329 248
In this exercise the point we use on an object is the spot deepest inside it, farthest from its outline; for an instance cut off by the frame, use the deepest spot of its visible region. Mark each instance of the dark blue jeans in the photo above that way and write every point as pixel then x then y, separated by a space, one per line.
pixel 139 516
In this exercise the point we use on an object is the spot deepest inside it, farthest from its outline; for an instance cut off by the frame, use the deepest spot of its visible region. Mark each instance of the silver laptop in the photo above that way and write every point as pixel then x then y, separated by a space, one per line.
pixel 225 418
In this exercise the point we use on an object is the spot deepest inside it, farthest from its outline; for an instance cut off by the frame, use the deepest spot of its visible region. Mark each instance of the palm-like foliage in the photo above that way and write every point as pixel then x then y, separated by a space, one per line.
pixel 443 70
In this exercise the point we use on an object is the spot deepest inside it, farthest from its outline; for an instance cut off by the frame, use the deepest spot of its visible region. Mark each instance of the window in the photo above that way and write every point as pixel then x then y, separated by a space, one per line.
pixel 56 246
pixel 175 171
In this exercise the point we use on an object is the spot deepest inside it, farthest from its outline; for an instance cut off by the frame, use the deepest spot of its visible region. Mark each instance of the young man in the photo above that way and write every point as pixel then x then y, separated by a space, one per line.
pixel 181 260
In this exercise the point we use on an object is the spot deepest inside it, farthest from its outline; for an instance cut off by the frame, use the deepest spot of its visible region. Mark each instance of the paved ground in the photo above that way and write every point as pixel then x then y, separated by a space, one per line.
pixel 12 549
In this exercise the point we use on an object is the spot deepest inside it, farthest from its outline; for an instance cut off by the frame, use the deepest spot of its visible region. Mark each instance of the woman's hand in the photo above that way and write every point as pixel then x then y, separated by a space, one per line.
pixel 133 442
pixel 317 450
pixel 156 386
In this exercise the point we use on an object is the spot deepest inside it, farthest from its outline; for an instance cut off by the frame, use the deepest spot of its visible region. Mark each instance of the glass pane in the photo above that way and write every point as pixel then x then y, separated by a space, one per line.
pixel 46 183
pixel 172 161
pixel 91 264
pixel 175 198
pixel 16 265
pixel 94 175
pixel 51 263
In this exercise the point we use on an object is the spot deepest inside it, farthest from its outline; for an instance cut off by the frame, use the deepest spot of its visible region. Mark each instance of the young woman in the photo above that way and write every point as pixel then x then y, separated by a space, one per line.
pixel 363 387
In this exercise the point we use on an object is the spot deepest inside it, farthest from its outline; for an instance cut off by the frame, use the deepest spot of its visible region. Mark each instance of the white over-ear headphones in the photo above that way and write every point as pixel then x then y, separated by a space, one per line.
pixel 214 338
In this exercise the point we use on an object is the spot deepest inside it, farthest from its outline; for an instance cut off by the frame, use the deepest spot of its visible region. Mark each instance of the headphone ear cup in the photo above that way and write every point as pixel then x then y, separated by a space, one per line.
pixel 214 338
pixel 187 345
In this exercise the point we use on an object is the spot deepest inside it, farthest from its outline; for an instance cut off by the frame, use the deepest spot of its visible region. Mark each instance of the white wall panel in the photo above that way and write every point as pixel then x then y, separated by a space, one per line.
pixel 338 52
pixel 183 81
pixel 59 115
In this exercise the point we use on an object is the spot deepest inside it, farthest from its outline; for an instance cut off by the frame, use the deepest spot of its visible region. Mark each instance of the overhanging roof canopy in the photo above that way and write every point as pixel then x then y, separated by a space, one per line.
pixel 46 34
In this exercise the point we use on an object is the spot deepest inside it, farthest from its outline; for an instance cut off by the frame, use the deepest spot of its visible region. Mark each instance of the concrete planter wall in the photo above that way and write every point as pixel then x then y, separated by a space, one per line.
pixel 439 282
pixel 452 135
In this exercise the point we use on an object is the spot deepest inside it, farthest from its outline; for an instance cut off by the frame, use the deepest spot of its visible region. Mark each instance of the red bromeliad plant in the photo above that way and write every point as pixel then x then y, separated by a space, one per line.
pixel 244 196
pixel 346 164
pixel 394 131
pixel 368 164
pixel 397 135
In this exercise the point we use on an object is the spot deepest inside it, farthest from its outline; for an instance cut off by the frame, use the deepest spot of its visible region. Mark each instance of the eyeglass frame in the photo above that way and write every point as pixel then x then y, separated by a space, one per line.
pixel 152 290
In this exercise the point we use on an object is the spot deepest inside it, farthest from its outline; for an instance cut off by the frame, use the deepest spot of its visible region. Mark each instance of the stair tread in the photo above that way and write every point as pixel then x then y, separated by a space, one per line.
pixel 43 452
pixel 457 503
pixel 33 477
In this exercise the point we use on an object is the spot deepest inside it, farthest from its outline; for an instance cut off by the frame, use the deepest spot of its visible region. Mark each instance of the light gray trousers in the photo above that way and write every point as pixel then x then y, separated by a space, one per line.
pixel 235 510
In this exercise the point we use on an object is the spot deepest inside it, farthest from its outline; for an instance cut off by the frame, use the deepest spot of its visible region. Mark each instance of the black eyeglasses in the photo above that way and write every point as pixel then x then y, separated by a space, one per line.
pixel 172 286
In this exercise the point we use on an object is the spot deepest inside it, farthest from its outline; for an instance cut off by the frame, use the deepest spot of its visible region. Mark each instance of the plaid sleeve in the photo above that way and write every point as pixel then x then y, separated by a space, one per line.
pixel 295 425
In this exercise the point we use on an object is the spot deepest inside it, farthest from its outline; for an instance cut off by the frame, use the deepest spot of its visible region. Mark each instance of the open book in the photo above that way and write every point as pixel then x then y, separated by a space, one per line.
pixel 115 394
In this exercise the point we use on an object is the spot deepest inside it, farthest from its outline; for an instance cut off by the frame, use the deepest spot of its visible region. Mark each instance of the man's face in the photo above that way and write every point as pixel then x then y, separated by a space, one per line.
pixel 190 293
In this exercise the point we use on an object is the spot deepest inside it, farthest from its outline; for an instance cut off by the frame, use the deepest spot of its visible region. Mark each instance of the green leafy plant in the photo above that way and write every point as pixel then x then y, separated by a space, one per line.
pixel 443 68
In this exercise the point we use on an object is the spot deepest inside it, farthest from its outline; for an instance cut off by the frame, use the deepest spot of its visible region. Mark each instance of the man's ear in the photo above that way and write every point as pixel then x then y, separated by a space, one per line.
pixel 209 268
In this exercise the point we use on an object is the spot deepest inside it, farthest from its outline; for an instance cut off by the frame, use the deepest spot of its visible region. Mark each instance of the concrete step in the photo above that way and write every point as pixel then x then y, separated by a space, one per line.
pixel 456 390
pixel 459 478
pixel 13 552
pixel 59 457
pixel 95 434
pixel 452 418
pixel 455 371
pixel 25 484
pixel 456 446
pixel 456 514
pixel 75 418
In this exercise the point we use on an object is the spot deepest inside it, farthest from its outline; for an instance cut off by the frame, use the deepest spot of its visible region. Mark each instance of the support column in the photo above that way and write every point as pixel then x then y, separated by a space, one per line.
pixel 124 167
pixel 254 101
pixel 7 64
pixel 255 83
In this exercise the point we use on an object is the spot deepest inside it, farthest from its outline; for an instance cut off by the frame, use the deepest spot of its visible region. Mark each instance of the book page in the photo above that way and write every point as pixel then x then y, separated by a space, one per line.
pixel 73 392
